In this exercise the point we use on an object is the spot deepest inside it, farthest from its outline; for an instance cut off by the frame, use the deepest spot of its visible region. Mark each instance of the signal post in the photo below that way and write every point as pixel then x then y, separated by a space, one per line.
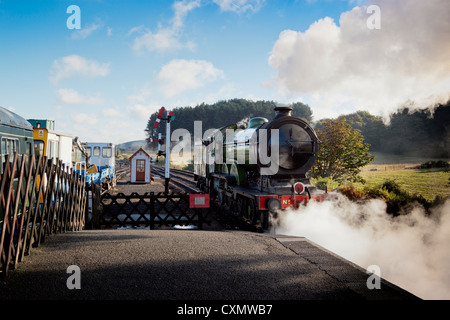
pixel 170 117
pixel 167 171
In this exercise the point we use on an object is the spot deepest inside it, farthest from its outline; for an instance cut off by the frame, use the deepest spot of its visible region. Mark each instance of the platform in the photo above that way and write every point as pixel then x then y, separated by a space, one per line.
pixel 189 265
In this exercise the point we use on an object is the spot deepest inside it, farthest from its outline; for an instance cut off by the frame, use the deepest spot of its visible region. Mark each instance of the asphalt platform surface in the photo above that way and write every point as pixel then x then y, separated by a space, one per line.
pixel 188 265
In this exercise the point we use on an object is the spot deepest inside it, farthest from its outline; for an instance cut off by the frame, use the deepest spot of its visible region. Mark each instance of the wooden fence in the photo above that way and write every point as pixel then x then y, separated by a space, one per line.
pixel 148 210
pixel 30 211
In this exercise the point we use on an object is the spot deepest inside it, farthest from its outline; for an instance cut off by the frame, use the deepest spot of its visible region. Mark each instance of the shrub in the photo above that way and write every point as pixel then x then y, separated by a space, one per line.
pixel 397 199
pixel 325 183
pixel 352 192
pixel 434 164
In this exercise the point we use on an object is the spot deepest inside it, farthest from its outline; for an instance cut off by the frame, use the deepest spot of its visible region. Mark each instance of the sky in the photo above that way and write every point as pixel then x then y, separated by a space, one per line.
pixel 102 82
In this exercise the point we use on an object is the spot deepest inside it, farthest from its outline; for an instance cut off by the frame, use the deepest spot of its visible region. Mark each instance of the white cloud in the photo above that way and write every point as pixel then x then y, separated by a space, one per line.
pixel 141 111
pixel 112 112
pixel 185 75
pixel 95 125
pixel 85 32
pixel 75 65
pixel 70 96
pixel 181 9
pixel 376 70
pixel 239 6
pixel 142 94
pixel 84 118
pixel 166 38
pixel 169 38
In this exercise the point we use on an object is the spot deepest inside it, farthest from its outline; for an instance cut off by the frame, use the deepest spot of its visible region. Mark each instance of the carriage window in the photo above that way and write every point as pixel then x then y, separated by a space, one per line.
pixel 28 148
pixel 3 146
pixel 16 146
pixel 107 152
pixel 88 151
pixel 9 146
pixel 96 151
pixel 38 148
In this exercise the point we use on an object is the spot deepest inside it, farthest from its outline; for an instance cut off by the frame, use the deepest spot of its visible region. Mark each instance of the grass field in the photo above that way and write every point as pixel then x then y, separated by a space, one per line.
pixel 426 182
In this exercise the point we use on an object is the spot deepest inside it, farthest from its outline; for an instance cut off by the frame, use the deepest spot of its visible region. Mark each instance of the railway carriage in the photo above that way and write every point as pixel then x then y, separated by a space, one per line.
pixel 38 137
pixel 16 134
pixel 102 158
pixel 50 143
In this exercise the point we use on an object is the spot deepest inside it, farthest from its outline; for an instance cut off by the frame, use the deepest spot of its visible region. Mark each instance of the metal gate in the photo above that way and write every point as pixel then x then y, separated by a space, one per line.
pixel 153 210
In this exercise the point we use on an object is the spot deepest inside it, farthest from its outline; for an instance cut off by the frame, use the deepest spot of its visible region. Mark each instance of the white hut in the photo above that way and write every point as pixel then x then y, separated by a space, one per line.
pixel 140 167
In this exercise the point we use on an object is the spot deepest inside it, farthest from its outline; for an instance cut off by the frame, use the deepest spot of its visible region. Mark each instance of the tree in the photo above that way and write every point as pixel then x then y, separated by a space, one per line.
pixel 342 151
pixel 301 110
pixel 371 127
pixel 222 113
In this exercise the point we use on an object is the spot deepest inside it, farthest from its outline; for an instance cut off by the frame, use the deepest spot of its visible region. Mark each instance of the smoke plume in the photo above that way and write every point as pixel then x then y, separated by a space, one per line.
pixel 412 250
pixel 345 64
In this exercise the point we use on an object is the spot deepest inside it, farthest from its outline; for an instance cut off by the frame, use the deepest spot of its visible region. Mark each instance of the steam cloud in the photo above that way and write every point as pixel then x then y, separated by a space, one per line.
pixel 412 250
pixel 346 64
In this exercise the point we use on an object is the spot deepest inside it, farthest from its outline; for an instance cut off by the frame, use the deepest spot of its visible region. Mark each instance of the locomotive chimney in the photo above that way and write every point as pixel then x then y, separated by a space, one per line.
pixel 282 111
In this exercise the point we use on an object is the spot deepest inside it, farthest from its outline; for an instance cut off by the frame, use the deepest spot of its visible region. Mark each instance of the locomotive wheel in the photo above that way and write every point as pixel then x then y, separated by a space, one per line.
pixel 264 220
pixel 229 203
pixel 252 212
pixel 210 188
pixel 221 197
pixel 241 206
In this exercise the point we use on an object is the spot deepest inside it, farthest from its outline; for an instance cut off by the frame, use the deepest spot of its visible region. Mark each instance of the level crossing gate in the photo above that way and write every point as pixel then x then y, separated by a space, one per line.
pixel 152 210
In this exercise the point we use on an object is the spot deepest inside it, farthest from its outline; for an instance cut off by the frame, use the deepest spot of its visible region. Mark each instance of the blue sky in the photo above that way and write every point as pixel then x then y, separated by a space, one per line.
pixel 103 81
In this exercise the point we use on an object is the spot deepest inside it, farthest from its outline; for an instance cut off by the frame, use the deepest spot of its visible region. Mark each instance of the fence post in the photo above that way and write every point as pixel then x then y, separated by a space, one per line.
pixel 25 211
pixel 152 211
pixel 47 202
pixel 6 218
pixel 38 208
pixel 96 199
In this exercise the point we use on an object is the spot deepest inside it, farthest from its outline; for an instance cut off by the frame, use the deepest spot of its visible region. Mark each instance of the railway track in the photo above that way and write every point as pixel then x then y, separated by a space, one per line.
pixel 121 172
pixel 179 178
pixel 184 180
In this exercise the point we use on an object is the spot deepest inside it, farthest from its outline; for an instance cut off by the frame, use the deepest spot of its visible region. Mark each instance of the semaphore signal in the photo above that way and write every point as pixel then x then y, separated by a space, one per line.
pixel 170 117
pixel 161 141
pixel 158 119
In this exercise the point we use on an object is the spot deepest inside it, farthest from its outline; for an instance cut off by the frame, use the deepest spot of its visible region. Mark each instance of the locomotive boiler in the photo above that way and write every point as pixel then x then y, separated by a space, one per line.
pixel 260 168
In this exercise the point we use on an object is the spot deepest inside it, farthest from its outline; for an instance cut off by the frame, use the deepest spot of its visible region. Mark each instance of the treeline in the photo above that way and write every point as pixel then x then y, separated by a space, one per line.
pixel 223 113
pixel 417 133
pixel 424 133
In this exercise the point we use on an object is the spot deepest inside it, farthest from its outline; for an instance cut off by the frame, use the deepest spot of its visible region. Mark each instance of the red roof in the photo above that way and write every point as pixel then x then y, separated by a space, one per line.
pixel 140 149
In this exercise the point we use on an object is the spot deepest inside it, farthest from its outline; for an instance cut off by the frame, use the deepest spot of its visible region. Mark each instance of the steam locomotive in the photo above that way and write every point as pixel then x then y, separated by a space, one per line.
pixel 259 170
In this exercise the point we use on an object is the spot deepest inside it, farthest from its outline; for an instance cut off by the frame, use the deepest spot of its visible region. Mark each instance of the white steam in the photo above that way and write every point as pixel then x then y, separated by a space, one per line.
pixel 346 64
pixel 411 250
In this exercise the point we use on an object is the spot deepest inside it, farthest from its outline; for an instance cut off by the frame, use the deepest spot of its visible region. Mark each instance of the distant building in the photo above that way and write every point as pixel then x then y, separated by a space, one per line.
pixel 140 167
